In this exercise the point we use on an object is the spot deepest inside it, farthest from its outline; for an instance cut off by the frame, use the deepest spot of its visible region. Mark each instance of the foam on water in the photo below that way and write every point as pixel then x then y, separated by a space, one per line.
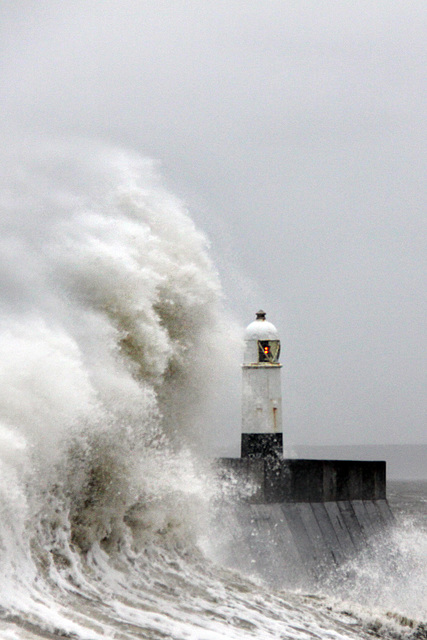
pixel 113 343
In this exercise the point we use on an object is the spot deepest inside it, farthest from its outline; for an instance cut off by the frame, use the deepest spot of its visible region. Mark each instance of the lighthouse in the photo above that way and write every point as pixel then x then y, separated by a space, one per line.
pixel 312 515
pixel 261 391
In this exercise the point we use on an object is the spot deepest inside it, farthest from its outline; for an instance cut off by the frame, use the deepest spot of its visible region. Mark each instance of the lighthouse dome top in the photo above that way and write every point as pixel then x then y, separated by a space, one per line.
pixel 261 329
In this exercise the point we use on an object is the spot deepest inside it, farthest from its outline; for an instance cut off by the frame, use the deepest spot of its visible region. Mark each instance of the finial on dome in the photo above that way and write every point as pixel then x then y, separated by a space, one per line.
pixel 260 315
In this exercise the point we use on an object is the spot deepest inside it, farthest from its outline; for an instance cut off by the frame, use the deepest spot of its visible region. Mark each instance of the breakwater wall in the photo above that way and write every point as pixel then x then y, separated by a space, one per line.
pixel 301 517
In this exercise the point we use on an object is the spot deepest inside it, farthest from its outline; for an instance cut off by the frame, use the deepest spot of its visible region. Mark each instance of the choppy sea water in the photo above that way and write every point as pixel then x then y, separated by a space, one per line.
pixel 169 588
pixel 112 345
pixel 409 501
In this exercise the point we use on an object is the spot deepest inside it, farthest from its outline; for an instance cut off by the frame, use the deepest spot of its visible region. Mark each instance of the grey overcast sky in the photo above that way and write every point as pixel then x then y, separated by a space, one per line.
pixel 295 131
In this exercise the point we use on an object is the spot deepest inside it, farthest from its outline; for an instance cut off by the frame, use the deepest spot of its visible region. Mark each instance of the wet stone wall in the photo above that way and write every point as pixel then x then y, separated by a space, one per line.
pixel 301 516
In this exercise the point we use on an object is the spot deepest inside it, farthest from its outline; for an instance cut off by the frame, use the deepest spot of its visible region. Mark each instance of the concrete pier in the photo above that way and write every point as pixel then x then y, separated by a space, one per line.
pixel 294 480
pixel 301 517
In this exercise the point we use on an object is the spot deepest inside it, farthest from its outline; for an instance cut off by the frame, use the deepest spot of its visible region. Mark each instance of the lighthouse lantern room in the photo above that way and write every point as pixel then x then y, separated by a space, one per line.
pixel 261 394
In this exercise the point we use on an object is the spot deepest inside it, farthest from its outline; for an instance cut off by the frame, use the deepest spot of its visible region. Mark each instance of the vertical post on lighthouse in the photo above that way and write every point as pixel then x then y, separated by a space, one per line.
pixel 261 394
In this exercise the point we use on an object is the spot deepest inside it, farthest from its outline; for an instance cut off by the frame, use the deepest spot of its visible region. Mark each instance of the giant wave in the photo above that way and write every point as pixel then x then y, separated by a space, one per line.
pixel 112 344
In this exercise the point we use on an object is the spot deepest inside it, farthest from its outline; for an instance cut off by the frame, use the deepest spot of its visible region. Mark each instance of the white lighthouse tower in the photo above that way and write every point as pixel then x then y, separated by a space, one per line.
pixel 261 395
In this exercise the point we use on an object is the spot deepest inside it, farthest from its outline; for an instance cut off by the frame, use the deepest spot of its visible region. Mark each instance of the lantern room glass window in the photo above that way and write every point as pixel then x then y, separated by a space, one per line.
pixel 268 351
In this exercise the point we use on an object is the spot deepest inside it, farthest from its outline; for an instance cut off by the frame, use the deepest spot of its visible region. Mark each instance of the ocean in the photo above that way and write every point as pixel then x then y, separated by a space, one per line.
pixel 113 352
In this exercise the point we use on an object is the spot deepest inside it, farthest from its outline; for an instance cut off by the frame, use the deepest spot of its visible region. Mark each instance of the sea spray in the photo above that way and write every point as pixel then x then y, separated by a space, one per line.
pixel 390 574
pixel 111 325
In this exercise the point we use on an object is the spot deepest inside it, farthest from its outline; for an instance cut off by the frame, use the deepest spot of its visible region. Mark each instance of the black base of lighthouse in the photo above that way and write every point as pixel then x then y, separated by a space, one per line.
pixel 262 445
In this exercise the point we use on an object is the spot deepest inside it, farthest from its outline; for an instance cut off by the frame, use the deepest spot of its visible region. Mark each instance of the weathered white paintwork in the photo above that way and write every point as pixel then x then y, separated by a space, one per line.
pixel 261 393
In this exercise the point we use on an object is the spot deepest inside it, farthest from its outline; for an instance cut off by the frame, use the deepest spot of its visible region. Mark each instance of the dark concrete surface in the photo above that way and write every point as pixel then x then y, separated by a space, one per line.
pixel 304 517
pixel 292 480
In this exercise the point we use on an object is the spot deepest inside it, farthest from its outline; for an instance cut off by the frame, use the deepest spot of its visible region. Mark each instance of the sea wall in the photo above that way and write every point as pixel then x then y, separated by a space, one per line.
pixel 294 480
pixel 301 517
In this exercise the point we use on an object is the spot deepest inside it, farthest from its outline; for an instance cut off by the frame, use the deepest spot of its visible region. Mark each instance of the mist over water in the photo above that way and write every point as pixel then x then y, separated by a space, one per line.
pixel 113 346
